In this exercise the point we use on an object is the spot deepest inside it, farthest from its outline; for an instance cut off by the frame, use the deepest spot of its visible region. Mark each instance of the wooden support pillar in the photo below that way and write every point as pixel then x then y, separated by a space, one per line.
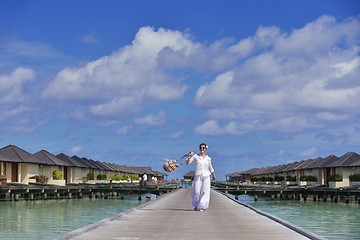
pixel 304 197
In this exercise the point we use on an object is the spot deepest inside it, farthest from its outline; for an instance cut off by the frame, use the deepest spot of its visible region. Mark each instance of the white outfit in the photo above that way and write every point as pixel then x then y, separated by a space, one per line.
pixel 201 185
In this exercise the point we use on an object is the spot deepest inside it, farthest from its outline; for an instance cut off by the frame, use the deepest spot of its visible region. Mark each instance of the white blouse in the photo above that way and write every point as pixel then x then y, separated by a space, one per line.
pixel 203 165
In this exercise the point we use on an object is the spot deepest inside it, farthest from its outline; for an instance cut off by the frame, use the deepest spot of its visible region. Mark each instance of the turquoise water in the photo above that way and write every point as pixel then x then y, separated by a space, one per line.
pixel 333 221
pixel 52 218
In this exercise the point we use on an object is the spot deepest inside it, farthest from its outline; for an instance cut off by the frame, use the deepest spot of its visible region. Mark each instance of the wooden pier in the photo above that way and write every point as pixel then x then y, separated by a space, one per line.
pixel 321 193
pixel 16 192
pixel 172 217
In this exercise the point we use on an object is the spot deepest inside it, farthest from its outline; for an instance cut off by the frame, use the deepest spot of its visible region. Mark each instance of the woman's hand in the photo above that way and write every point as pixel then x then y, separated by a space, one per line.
pixel 213 176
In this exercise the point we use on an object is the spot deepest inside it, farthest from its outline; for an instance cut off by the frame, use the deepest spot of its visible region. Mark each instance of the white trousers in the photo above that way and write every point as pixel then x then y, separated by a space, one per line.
pixel 200 191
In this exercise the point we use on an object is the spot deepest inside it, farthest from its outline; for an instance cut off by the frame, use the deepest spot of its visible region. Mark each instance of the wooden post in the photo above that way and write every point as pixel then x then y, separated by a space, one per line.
pixel 304 197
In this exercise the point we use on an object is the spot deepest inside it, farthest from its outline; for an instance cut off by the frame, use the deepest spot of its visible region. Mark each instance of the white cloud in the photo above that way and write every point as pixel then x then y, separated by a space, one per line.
pixel 318 37
pixel 309 152
pixel 76 150
pixel 290 124
pixel 212 127
pixel 124 130
pixel 177 134
pixel 289 81
pixel 11 86
pixel 127 80
pixel 328 116
pixel 12 95
pixel 37 55
pixel 153 120
pixel 10 111
pixel 25 125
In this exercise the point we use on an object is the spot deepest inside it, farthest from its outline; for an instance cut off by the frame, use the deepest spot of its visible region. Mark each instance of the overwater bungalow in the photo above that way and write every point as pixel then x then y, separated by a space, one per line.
pixel 51 164
pixel 19 166
pixel 78 170
pixel 331 171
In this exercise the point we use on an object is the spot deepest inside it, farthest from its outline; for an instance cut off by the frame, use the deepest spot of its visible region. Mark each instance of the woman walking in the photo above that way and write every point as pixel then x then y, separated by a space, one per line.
pixel 201 185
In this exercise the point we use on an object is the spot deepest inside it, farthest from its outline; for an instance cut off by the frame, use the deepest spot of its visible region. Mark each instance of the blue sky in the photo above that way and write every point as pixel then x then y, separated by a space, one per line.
pixel 134 82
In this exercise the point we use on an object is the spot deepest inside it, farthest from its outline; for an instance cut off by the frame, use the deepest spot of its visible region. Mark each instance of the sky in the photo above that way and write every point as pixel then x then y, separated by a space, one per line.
pixel 261 82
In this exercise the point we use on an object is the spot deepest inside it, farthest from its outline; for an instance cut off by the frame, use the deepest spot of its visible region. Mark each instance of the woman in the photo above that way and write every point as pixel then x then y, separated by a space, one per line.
pixel 201 185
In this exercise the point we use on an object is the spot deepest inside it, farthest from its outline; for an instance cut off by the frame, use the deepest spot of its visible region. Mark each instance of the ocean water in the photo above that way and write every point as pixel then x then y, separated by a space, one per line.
pixel 52 218
pixel 334 221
